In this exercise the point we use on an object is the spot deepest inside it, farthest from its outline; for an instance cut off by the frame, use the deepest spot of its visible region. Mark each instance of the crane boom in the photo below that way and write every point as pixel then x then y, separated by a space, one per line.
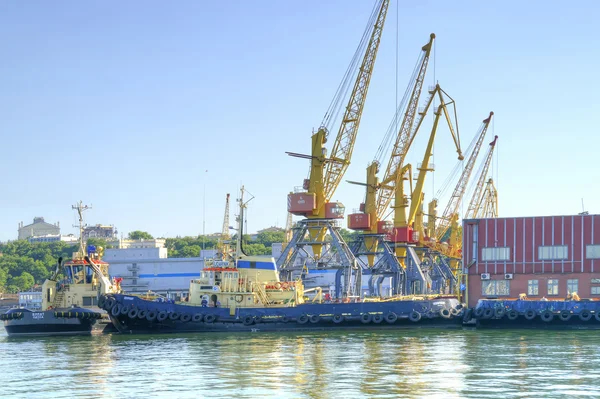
pixel 223 244
pixel 459 191
pixel 472 210
pixel 488 207
pixel 344 142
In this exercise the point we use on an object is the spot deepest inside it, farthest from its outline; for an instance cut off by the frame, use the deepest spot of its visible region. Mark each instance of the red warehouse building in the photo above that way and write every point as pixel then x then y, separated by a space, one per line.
pixel 545 256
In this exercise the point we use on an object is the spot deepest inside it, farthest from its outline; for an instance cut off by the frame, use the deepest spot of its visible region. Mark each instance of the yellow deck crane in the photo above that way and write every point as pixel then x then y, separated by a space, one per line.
pixel 326 172
pixel 484 201
pixel 223 248
pixel 379 194
pixel 450 216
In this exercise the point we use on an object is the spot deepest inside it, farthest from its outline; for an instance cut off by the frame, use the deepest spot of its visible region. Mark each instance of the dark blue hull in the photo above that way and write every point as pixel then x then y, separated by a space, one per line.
pixel 74 321
pixel 536 314
pixel 136 315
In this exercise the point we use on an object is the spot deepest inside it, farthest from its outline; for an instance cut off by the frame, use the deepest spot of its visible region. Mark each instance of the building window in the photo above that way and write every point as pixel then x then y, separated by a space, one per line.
pixel 495 287
pixel 552 287
pixel 533 287
pixel 557 252
pixel 592 251
pixel 572 286
pixel 596 290
pixel 495 254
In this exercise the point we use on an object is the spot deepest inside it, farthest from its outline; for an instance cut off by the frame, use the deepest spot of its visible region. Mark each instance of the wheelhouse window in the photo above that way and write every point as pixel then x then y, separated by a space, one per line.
pixel 553 287
pixel 495 254
pixel 556 252
pixel 495 287
pixel 533 287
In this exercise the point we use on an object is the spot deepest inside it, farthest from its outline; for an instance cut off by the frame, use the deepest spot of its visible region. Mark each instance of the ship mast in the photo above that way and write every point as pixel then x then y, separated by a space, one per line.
pixel 239 249
pixel 80 209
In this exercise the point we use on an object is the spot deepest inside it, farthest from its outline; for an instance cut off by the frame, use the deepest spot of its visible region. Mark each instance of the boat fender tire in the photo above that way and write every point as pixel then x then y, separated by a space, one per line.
pixel 151 315
pixel 499 313
pixel 248 320
pixel 585 315
pixel 445 313
pixel 547 315
pixel 530 314
pixel 414 316
pixel 377 318
pixel 337 318
pixel 303 319
pixel 210 318
pixel 101 301
pixel 185 317
pixel 142 314
pixel 597 315
pixel 108 305
pixel 454 311
pixel 488 313
pixel 391 317
pixel 132 313
pixel 478 313
pixel 284 319
pixel 512 314
pixel 315 318
pixel 173 316
pixel 116 310
pixel 366 318
pixel 162 315
pixel 565 315
pixel 196 318
pixel 125 310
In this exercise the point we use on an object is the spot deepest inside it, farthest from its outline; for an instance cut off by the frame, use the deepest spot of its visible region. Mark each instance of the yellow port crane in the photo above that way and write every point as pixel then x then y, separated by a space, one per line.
pixel 484 201
pixel 223 249
pixel 379 194
pixel 326 172
pixel 450 214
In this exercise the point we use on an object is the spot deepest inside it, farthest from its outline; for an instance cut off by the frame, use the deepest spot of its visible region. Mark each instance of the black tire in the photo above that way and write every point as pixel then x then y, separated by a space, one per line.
pixel 597 315
pixel 530 314
pixel 284 319
pixel 488 313
pixel 337 318
pixel 499 313
pixel 132 313
pixel 248 320
pixel 197 317
pixel 210 318
pixel 547 316
pixel 151 315
pixel 185 317
pixel 391 317
pixel 377 318
pixel 162 316
pixel 125 310
pixel 116 310
pixel 565 315
pixel 174 316
pixel 478 313
pixel 315 318
pixel 110 302
pixel 101 301
pixel 414 316
pixel 585 315
pixel 512 314
pixel 302 319
pixel 454 311
pixel 142 313
pixel 366 318
pixel 445 313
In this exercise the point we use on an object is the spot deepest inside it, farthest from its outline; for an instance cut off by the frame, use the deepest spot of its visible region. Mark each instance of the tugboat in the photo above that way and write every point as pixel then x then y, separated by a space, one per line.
pixel 570 313
pixel 65 300
pixel 244 293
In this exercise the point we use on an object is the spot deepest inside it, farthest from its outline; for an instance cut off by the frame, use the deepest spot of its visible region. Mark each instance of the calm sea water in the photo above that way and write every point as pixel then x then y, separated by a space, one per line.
pixel 391 364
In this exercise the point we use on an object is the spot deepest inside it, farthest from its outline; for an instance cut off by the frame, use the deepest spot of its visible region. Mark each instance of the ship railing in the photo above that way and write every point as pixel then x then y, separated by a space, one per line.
pixel 262 294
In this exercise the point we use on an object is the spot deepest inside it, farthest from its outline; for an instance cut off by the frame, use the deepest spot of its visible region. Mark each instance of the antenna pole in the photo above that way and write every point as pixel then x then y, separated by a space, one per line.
pixel 80 209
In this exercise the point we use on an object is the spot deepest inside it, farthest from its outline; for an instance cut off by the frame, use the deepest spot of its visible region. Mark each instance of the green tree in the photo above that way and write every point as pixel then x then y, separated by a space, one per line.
pixel 269 237
pixel 24 282
pixel 256 249
pixel 349 235
pixel 140 235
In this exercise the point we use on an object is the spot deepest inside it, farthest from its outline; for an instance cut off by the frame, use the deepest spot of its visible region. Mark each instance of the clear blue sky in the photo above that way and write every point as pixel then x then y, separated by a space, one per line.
pixel 138 107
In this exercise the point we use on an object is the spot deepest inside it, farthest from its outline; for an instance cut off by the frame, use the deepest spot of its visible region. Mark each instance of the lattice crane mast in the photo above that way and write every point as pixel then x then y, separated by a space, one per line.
pixel 224 239
pixel 379 195
pixel 326 172
pixel 453 205
pixel 474 210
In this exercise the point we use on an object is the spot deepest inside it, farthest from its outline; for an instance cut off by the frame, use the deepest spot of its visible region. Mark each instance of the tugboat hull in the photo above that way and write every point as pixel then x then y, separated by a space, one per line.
pixel 24 322
pixel 138 316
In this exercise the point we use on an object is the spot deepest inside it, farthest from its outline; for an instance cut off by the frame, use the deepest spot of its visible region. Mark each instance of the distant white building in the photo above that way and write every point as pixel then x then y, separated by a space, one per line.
pixel 38 228
pixel 53 238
